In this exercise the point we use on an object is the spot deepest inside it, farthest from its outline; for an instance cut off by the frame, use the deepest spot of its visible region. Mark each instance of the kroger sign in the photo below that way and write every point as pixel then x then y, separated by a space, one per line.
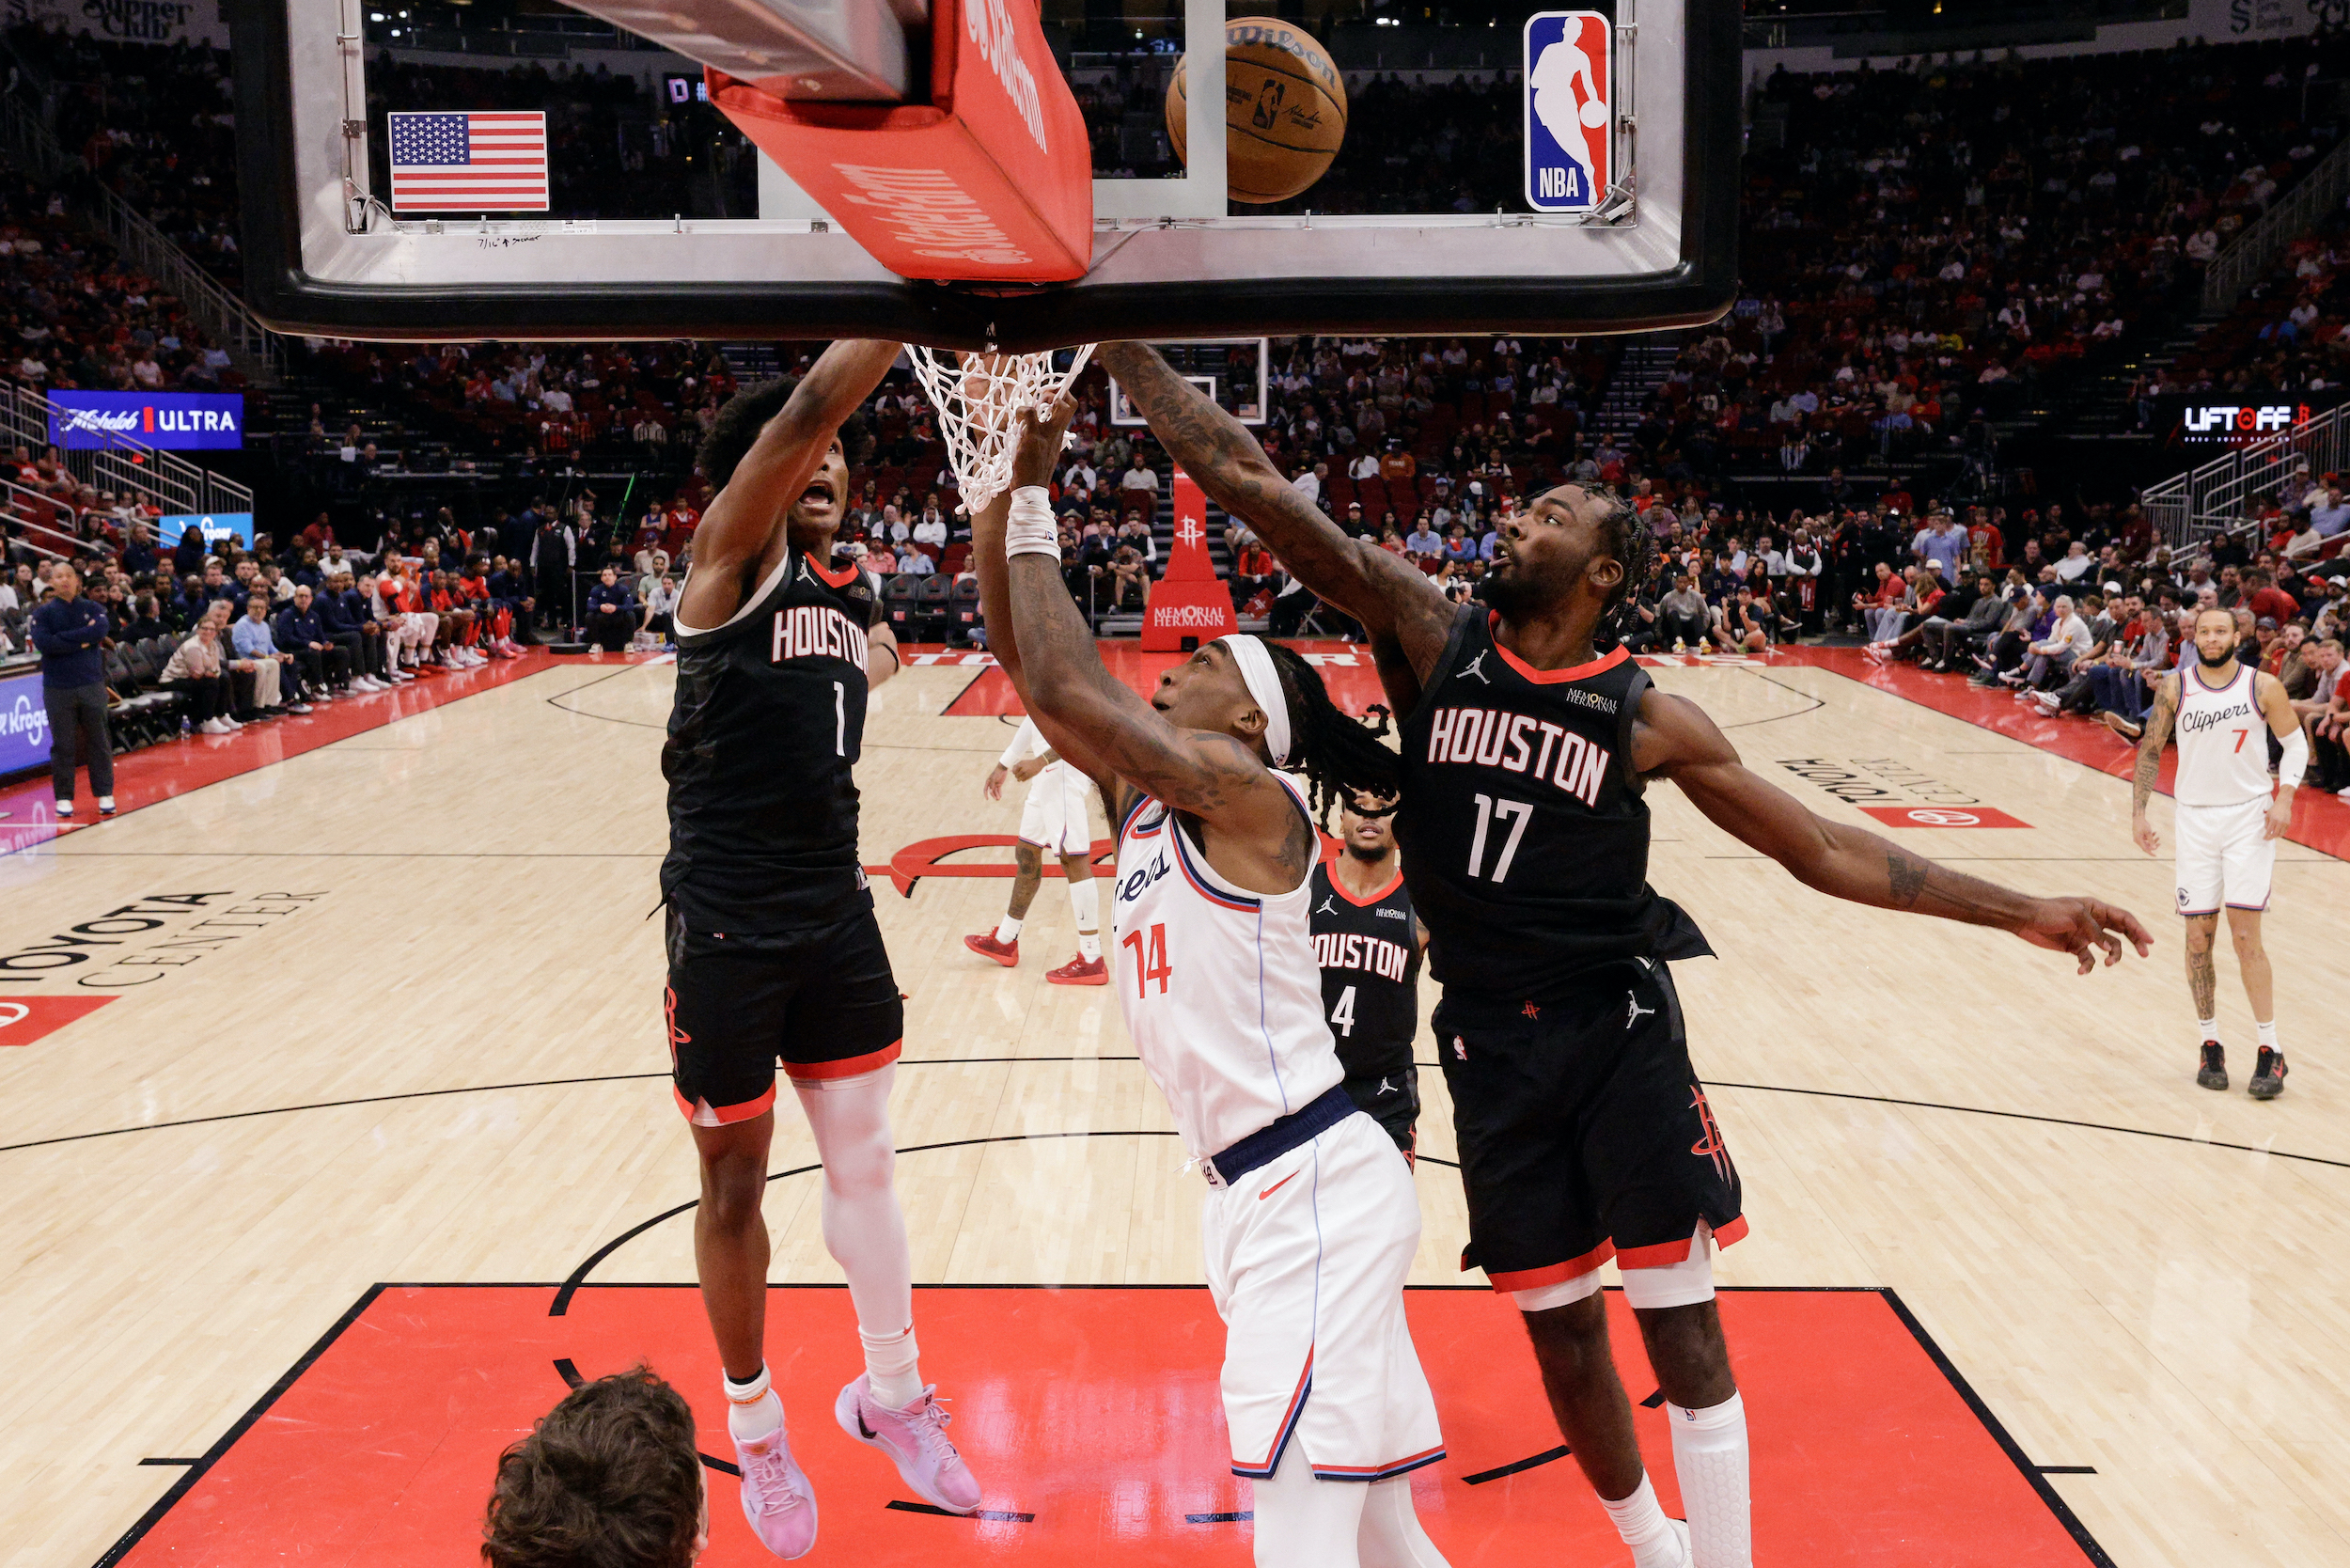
pixel 149 418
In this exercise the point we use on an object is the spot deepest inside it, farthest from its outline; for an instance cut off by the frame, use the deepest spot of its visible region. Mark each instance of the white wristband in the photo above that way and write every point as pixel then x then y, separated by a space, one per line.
pixel 1029 530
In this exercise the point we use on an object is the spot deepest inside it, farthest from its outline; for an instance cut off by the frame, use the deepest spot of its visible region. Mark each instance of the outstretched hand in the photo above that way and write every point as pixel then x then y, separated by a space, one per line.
pixel 2084 928
pixel 1038 437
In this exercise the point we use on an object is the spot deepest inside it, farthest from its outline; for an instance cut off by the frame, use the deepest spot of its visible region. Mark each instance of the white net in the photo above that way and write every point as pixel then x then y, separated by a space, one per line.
pixel 976 396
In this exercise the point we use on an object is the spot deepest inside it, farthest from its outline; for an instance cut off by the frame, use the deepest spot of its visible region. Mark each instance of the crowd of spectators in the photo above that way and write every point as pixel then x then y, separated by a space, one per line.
pixel 76 317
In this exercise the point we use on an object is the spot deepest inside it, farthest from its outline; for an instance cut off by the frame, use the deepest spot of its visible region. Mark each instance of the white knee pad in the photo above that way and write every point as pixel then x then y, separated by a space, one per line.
pixel 1544 1297
pixel 1681 1285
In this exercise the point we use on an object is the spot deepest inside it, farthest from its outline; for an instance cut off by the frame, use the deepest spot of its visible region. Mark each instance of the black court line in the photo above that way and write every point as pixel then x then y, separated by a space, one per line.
pixel 1545 1457
pixel 171 1461
pixel 955 1061
pixel 212 1456
pixel 2027 1115
pixel 556 701
pixel 475 1089
pixel 2066 1469
pixel 2030 1472
pixel 1817 702
pixel 2034 1474
pixel 997 1515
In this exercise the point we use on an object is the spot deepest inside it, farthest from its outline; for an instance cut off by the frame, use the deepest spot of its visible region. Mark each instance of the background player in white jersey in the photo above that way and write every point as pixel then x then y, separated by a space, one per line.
pixel 1055 819
pixel 2228 825
pixel 1311 1222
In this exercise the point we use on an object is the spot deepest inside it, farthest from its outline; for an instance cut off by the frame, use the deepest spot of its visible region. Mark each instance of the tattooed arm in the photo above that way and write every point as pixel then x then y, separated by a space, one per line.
pixel 1392 598
pixel 1673 739
pixel 2158 723
pixel 1253 832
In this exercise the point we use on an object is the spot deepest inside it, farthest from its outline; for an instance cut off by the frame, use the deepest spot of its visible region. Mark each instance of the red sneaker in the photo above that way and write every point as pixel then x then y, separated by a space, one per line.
pixel 985 944
pixel 1080 971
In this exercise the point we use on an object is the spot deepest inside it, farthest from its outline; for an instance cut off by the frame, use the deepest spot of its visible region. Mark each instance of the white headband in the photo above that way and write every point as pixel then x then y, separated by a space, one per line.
pixel 1264 685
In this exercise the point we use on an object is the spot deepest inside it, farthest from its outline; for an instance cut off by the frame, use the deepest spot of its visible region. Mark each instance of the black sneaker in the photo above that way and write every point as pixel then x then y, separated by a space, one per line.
pixel 2268 1074
pixel 2213 1072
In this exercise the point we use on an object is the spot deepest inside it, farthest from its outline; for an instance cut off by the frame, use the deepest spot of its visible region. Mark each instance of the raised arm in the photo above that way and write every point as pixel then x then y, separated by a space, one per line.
pixel 1096 720
pixel 736 534
pixel 1391 596
pixel 2158 722
pixel 1673 739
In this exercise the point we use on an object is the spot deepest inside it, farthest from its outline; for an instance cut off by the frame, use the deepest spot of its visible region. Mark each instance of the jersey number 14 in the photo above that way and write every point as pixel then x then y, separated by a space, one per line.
pixel 1149 959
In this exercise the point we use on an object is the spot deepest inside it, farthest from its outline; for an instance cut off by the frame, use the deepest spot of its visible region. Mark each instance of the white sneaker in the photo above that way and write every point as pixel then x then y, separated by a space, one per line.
pixel 213 726
pixel 232 721
pixel 65 808
pixel 105 805
pixel 297 707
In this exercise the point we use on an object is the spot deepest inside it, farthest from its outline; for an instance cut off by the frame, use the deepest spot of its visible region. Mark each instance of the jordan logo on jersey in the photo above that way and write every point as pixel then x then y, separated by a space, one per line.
pixel 1520 743
pixel 1475 667
pixel 817 632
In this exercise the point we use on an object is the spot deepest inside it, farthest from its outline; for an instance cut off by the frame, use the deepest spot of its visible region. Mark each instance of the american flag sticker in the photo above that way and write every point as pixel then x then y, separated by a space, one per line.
pixel 469 163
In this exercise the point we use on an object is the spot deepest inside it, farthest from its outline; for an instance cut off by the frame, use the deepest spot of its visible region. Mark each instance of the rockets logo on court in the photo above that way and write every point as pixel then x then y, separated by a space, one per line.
pixel 1569 83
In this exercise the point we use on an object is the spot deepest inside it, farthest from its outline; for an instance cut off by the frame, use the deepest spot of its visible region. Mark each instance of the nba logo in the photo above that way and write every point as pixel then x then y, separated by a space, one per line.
pixel 1569 144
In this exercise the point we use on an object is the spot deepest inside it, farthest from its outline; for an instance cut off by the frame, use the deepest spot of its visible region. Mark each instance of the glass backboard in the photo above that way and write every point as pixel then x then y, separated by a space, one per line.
pixel 1492 166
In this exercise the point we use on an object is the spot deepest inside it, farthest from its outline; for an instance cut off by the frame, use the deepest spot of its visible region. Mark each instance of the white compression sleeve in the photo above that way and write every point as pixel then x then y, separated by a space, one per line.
pixel 1085 902
pixel 1026 742
pixel 864 1231
pixel 2295 760
pixel 1390 1536
pixel 1710 1461
pixel 1305 1523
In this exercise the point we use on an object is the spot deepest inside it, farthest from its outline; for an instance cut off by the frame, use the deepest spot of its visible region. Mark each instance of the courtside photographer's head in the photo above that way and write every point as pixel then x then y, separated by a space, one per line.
pixel 610 1478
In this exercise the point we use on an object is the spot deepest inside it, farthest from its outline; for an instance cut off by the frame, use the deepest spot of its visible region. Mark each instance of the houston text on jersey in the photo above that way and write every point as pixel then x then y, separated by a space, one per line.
pixel 1520 743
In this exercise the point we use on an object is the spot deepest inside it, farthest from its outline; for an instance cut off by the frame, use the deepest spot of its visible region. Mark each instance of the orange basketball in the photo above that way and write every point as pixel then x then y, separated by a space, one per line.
pixel 1284 110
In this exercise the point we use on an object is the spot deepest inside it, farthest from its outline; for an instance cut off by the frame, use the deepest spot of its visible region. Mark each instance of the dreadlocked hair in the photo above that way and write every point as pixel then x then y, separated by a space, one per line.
pixel 1339 755
pixel 1632 546
pixel 746 414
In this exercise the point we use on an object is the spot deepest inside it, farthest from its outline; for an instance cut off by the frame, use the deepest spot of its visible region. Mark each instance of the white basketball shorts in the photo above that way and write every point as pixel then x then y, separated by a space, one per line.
pixel 2224 857
pixel 1055 819
pixel 1306 1259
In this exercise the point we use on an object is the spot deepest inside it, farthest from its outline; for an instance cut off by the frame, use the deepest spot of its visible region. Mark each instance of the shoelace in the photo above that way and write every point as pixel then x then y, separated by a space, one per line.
pixel 776 1494
pixel 929 1425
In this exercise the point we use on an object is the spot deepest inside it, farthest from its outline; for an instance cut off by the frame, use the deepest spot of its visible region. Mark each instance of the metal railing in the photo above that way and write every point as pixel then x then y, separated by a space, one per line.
pixel 2251 254
pixel 2189 510
pixel 125 466
pixel 37 527
pixel 26 135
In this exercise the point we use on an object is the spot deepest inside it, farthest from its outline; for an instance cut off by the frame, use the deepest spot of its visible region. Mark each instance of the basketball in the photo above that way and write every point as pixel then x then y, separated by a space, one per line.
pixel 1594 114
pixel 1284 110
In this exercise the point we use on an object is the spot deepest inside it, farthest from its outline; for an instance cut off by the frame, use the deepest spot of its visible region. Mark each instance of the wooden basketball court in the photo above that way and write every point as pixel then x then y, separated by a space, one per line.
pixel 334 1124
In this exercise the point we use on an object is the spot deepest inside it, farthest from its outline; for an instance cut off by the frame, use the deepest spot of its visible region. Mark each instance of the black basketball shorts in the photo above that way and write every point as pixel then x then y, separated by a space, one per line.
pixel 1392 1099
pixel 1584 1131
pixel 820 1000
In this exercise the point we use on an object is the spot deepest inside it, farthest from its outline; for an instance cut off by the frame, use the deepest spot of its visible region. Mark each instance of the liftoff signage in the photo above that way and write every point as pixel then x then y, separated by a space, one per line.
pixel 992 180
pixel 1190 600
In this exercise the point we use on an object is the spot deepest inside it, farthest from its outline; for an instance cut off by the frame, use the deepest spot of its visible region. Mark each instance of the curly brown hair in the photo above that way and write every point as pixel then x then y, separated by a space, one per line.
pixel 610 1478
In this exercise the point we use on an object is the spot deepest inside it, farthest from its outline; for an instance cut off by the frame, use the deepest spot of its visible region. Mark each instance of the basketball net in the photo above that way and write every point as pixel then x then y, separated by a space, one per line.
pixel 976 395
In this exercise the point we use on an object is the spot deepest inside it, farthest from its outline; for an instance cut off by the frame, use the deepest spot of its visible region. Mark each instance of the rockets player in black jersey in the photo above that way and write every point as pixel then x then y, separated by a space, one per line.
pixel 774 953
pixel 1369 947
pixel 1584 1131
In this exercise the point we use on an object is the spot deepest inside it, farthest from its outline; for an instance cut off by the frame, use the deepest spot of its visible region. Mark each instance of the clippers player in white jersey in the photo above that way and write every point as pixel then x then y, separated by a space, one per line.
pixel 774 952
pixel 1369 946
pixel 2228 821
pixel 1309 1223
pixel 1584 1131
pixel 1056 817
